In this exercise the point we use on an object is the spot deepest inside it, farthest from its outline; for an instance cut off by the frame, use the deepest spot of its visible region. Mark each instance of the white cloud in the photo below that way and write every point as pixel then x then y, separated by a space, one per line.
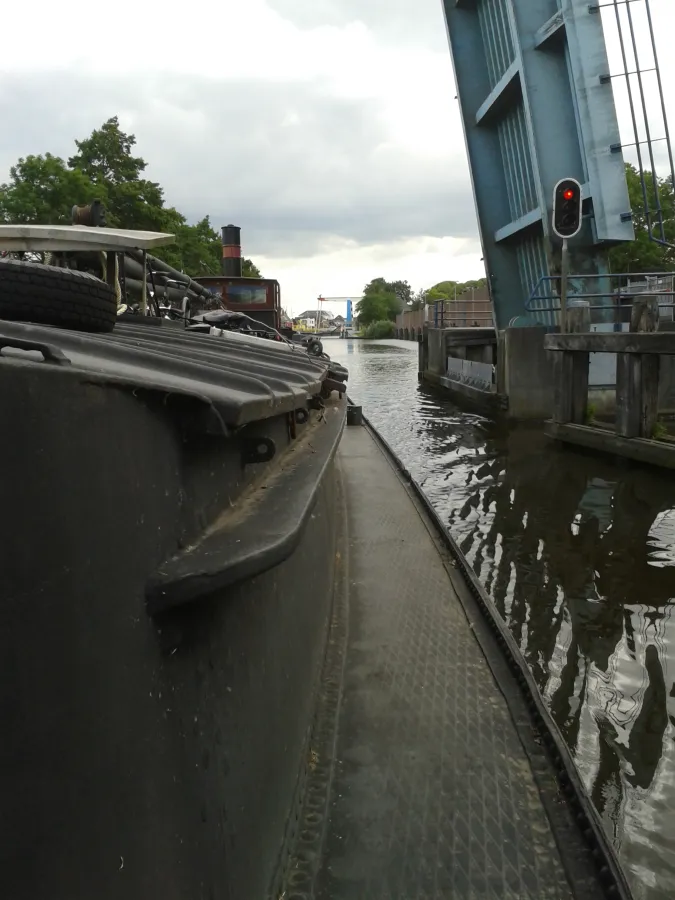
pixel 327 129
pixel 226 41
pixel 343 269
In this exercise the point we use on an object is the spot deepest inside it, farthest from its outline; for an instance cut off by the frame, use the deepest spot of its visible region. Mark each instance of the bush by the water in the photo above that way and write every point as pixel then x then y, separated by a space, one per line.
pixel 378 330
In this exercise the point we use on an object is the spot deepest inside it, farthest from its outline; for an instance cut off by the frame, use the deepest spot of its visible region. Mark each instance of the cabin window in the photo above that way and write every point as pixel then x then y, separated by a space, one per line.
pixel 246 295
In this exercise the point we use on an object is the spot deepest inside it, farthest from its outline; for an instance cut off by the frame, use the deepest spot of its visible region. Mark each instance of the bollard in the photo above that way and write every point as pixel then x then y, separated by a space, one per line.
pixel 578 317
pixel 354 415
pixel 644 314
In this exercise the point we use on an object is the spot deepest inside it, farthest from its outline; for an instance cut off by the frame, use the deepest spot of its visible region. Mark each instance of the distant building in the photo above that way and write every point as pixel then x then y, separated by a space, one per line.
pixel 322 317
pixel 305 322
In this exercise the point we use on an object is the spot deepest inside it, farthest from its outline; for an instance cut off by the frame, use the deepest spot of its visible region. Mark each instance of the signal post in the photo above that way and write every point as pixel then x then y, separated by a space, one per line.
pixel 566 224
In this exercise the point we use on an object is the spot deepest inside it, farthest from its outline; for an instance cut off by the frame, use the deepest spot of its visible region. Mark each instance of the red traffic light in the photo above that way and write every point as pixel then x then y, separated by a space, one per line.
pixel 567 211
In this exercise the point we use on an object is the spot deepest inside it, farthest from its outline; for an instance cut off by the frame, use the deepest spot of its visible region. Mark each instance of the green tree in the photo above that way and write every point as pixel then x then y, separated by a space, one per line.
pixel 105 156
pixel 402 290
pixel 420 300
pixel 475 283
pixel 643 254
pixel 399 292
pixel 376 331
pixel 132 201
pixel 372 308
pixel 43 190
pixel 249 269
pixel 450 290
pixel 444 290
pixel 380 302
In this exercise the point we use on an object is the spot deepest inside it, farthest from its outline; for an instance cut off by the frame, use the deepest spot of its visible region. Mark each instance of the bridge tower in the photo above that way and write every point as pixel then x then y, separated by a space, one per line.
pixel 537 105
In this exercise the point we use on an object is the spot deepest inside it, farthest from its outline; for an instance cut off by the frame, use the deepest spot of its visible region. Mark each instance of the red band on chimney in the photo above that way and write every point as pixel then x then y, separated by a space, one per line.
pixel 231 251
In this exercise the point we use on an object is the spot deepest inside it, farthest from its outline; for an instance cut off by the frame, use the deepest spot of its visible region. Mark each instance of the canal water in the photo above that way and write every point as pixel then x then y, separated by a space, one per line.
pixel 578 553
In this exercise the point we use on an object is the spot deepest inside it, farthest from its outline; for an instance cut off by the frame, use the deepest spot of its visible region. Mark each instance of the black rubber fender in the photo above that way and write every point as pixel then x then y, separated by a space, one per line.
pixel 50 295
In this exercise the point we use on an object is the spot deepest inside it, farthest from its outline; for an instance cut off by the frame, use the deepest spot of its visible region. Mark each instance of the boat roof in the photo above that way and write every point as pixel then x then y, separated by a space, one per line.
pixel 79 237
pixel 240 381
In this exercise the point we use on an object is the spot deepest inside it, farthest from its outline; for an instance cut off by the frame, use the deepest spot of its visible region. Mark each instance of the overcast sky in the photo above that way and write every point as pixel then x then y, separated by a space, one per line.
pixel 327 129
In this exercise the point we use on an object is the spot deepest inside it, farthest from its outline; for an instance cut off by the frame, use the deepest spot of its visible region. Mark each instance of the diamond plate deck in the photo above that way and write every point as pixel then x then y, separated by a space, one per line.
pixel 432 794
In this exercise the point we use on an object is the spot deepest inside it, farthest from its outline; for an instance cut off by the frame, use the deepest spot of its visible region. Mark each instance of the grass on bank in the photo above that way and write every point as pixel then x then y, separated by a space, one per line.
pixel 377 331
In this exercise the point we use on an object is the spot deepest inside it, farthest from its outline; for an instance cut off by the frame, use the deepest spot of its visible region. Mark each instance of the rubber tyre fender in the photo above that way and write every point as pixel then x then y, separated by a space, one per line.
pixel 50 295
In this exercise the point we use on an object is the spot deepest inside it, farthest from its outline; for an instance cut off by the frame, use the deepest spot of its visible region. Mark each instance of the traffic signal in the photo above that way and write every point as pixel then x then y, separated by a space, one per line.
pixel 567 208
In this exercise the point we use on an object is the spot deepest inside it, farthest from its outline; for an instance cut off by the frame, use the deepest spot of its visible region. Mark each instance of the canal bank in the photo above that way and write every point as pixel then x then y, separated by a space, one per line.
pixel 605 387
pixel 508 371
pixel 578 554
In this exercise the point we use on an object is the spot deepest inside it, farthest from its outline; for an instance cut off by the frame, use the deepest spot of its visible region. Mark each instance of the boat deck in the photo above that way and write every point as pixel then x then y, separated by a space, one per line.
pixel 285 682
pixel 424 788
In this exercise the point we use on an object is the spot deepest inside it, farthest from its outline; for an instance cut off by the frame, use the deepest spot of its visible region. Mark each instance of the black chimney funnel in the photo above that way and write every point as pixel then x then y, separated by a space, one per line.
pixel 231 240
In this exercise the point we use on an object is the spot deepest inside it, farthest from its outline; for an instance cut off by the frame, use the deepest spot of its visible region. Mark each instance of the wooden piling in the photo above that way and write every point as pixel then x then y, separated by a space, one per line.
pixel 571 370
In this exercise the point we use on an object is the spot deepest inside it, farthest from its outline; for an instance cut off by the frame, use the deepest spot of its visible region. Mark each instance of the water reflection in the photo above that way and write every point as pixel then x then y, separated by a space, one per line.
pixel 578 553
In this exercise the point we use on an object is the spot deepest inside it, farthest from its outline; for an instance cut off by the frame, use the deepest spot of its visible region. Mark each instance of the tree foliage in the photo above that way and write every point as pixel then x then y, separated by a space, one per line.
pixel 444 290
pixel 42 189
pixel 403 292
pixel 420 300
pixel 382 300
pixel 450 290
pixel 376 331
pixel 644 254
pixel 374 308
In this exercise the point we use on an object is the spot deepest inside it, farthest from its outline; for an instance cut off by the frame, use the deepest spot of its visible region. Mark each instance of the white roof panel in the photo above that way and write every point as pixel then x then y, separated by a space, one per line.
pixel 79 237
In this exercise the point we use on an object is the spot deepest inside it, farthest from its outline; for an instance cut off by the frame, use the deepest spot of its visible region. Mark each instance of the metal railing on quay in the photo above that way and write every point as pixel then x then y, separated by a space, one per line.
pixel 543 304
pixel 446 314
